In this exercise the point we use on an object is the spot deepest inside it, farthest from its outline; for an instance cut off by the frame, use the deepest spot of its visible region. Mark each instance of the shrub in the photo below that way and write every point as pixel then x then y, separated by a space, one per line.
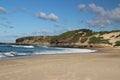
pixel 117 43
pixel 94 40
pixel 83 40
pixel 89 33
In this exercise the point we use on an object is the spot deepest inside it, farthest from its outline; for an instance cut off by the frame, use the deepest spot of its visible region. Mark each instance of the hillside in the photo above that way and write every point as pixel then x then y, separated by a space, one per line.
pixel 76 38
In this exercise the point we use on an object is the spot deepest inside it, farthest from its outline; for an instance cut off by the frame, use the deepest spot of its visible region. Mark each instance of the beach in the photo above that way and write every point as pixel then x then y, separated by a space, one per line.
pixel 101 65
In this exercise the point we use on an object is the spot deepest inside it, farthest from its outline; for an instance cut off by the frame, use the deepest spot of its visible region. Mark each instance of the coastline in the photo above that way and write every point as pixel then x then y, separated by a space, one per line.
pixel 13 54
pixel 102 65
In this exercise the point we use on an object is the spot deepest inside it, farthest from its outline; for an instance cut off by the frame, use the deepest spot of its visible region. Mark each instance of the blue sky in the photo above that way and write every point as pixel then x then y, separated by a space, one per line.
pixel 20 18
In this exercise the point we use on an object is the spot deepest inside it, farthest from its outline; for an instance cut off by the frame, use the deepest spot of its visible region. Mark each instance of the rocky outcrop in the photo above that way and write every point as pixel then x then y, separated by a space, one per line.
pixel 34 40
pixel 77 38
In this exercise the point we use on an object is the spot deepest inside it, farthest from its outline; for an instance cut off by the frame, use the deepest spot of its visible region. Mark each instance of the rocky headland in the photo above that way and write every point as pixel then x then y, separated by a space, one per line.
pixel 83 38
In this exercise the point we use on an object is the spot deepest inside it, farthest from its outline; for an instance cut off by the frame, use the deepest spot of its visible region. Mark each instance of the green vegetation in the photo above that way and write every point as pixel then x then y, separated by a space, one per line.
pixel 35 39
pixel 67 37
pixel 88 33
pixel 72 33
pixel 117 43
pixel 67 34
pixel 105 32
pixel 115 31
pixel 75 38
pixel 83 40
pixel 112 36
pixel 94 40
pixel 70 37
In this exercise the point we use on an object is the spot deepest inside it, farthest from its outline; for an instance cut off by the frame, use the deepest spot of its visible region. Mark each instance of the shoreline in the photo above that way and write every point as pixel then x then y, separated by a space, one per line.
pixel 65 51
pixel 103 65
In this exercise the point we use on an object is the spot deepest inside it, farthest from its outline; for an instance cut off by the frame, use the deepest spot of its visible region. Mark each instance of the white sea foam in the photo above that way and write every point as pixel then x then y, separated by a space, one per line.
pixel 45 46
pixel 59 51
pixel 22 46
pixel 8 54
pixel 12 54
pixel 67 50
pixel 1 56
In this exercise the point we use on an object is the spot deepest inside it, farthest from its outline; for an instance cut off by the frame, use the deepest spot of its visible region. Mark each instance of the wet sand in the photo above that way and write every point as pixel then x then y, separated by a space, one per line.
pixel 103 65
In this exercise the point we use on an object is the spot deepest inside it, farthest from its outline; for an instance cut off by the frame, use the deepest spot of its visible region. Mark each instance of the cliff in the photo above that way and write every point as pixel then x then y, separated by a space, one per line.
pixel 76 38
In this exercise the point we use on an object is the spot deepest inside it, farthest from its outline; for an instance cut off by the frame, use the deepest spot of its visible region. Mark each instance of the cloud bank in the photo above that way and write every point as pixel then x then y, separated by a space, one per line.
pixel 102 17
pixel 45 16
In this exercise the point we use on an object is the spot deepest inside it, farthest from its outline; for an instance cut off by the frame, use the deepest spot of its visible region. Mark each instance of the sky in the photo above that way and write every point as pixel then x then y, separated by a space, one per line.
pixel 19 18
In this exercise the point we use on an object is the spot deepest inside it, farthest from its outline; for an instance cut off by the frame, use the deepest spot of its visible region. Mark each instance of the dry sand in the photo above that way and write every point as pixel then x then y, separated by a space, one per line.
pixel 103 65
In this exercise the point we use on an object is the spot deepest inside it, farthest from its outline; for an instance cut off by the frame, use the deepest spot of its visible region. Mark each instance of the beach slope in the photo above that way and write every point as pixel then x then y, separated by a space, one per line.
pixel 104 65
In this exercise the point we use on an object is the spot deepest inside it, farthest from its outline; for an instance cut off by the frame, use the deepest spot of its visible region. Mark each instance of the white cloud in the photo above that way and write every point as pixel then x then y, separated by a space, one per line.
pixel 81 7
pixel 3 10
pixel 42 15
pixel 97 9
pixel 101 22
pixel 102 16
pixel 114 14
pixel 51 16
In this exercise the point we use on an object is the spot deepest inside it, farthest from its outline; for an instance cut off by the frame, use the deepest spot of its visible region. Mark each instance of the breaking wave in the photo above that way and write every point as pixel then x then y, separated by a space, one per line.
pixel 64 51
pixel 22 46
pixel 14 51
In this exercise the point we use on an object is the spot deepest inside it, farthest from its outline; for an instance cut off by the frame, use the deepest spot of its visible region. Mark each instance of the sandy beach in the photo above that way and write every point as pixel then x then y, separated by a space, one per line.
pixel 103 65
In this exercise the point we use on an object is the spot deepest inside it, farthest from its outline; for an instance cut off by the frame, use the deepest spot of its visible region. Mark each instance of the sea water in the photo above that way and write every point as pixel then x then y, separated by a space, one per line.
pixel 8 51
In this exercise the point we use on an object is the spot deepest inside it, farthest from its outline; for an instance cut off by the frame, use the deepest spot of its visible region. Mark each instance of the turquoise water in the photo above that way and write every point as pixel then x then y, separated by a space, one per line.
pixel 15 51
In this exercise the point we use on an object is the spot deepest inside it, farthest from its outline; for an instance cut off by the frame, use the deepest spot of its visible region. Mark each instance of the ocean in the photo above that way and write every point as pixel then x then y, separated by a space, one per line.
pixel 9 51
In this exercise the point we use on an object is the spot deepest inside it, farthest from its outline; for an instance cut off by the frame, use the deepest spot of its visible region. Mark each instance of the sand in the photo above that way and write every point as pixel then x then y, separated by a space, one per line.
pixel 104 65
